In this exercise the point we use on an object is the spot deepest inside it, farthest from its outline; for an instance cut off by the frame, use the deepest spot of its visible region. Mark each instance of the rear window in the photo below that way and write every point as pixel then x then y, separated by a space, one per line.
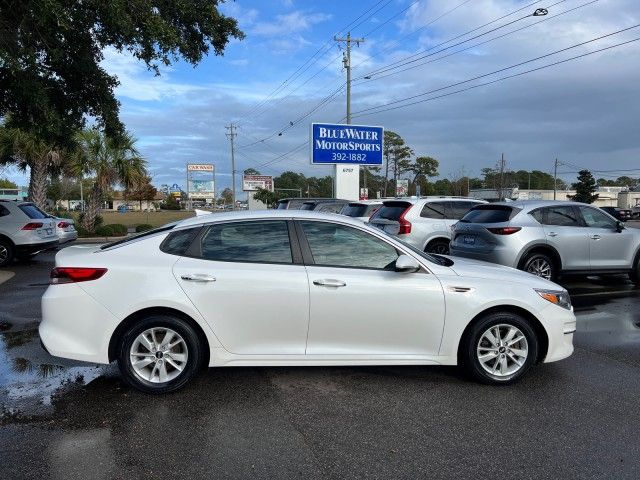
pixel 137 237
pixel 489 214
pixel 282 205
pixel 330 207
pixel 354 210
pixel 308 206
pixel 391 210
pixel 32 211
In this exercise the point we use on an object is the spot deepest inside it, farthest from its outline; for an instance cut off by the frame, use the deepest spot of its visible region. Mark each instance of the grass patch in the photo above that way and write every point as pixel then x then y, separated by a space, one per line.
pixel 155 219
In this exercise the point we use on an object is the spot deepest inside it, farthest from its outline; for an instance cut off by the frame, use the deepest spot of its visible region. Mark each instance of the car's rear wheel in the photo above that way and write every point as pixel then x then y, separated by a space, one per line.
pixel 634 275
pixel 541 265
pixel 499 349
pixel 440 247
pixel 159 354
pixel 6 252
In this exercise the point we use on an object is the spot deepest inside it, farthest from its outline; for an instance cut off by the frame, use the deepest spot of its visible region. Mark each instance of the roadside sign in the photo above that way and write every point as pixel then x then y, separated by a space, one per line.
pixel 364 193
pixel 346 144
pixel 252 183
pixel 200 167
pixel 402 187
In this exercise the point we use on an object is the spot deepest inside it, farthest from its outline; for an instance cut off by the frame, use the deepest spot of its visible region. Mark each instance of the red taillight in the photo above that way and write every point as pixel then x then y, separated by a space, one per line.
pixel 32 226
pixel 504 230
pixel 405 225
pixel 75 274
pixel 63 224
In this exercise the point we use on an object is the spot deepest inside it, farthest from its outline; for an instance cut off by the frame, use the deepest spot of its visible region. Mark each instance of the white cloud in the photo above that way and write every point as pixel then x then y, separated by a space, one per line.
pixel 294 22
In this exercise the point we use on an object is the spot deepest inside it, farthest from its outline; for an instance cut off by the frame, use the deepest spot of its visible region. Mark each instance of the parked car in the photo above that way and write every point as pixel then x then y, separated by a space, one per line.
pixel 635 212
pixel 548 238
pixel 327 205
pixel 622 214
pixel 293 203
pixel 65 229
pixel 361 210
pixel 125 207
pixel 25 230
pixel 352 294
pixel 424 222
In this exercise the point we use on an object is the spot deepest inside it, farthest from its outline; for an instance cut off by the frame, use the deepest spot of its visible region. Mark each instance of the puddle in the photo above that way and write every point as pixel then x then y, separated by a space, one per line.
pixel 30 378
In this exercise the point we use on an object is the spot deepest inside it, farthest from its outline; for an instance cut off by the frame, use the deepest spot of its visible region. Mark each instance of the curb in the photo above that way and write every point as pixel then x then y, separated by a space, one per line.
pixel 5 276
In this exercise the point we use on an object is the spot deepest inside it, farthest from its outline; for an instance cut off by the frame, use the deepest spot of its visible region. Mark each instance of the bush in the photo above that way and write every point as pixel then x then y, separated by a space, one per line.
pixel 143 227
pixel 104 231
pixel 112 230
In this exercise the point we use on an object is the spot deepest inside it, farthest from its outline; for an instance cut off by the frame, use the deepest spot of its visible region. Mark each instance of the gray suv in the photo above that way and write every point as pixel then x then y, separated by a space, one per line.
pixel 548 238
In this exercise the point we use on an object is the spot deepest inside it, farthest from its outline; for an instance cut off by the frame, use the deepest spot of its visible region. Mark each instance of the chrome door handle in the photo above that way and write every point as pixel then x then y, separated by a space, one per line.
pixel 595 237
pixel 552 234
pixel 198 277
pixel 329 282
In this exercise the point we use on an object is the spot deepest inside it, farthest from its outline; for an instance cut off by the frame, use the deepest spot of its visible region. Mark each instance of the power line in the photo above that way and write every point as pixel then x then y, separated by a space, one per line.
pixel 380 25
pixel 396 72
pixel 377 107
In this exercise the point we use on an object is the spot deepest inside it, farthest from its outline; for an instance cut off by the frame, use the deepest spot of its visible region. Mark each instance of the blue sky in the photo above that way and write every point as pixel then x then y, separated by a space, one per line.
pixel 583 112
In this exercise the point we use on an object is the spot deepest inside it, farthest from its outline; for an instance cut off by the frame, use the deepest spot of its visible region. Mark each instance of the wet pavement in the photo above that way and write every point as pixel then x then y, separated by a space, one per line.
pixel 573 419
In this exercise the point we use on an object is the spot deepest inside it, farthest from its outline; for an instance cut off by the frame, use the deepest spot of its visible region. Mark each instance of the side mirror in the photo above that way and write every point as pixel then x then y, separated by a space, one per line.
pixel 407 264
pixel 619 226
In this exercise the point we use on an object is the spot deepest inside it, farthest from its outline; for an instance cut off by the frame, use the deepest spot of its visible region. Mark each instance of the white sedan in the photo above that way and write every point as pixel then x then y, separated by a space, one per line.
pixel 294 288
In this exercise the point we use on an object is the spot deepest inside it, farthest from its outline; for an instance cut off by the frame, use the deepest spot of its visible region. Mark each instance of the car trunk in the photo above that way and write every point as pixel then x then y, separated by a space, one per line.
pixel 482 228
pixel 390 215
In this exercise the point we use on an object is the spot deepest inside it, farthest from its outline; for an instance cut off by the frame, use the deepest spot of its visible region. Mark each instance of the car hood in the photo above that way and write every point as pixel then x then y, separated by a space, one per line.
pixel 466 267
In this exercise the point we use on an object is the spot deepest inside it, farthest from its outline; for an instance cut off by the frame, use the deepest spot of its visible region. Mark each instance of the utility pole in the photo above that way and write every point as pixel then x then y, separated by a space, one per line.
pixel 501 193
pixel 346 62
pixel 231 136
pixel 555 178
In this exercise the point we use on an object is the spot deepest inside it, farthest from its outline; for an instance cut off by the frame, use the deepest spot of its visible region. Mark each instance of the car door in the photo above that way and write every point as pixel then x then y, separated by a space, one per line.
pixel 246 282
pixel 608 247
pixel 359 305
pixel 564 231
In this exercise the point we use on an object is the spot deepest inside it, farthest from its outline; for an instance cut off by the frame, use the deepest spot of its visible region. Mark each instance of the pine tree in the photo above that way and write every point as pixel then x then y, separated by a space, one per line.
pixel 585 188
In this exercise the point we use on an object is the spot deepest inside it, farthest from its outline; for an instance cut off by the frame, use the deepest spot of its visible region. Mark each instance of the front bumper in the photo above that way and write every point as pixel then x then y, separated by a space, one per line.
pixel 560 325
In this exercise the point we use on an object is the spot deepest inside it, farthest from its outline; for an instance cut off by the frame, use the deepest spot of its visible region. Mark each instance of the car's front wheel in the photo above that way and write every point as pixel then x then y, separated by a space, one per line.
pixel 499 349
pixel 159 354
pixel 634 275
pixel 6 252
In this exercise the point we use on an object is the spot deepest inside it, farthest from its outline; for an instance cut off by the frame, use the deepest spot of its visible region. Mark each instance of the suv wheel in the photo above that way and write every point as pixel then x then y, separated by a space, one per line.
pixel 634 275
pixel 499 349
pixel 440 247
pixel 541 265
pixel 159 354
pixel 6 252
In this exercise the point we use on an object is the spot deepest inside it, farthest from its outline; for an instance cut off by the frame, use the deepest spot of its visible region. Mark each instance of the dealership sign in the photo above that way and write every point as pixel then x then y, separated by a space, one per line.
pixel 253 183
pixel 200 167
pixel 352 144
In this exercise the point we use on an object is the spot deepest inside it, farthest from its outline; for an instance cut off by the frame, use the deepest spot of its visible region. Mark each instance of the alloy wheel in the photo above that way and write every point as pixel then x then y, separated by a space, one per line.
pixel 159 355
pixel 4 253
pixel 502 350
pixel 540 267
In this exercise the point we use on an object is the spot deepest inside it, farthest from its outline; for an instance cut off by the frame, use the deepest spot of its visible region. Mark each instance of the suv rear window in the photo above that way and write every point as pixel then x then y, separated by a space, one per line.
pixel 489 214
pixel 355 210
pixel 32 211
pixel 391 210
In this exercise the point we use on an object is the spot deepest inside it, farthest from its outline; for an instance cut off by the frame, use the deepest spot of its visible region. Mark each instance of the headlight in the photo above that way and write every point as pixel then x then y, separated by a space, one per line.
pixel 557 297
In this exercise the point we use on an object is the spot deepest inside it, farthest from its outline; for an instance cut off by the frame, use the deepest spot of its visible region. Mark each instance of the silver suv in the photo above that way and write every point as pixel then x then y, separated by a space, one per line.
pixel 548 238
pixel 424 222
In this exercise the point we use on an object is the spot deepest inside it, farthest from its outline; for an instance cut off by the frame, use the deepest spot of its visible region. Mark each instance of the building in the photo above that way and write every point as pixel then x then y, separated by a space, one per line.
pixel 18 194
pixel 608 196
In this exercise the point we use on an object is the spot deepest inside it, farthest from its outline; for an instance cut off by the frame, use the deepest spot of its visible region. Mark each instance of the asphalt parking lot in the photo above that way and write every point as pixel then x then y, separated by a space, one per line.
pixel 573 419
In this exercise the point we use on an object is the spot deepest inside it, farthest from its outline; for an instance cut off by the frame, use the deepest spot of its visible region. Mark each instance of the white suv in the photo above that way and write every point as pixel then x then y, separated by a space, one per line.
pixel 25 230
pixel 424 222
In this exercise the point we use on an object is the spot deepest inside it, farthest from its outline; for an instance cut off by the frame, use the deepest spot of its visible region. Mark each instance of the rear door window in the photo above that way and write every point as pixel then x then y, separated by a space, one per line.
pixel 562 217
pixel 434 210
pixel 489 214
pixel 32 211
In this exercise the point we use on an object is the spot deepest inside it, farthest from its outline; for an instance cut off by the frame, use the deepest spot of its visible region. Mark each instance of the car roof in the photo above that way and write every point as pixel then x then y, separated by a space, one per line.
pixel 530 204
pixel 267 215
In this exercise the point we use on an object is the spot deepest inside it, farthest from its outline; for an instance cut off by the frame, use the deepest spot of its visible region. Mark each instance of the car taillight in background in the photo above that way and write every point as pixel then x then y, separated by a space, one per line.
pixel 405 225
pixel 63 224
pixel 32 226
pixel 60 275
pixel 504 230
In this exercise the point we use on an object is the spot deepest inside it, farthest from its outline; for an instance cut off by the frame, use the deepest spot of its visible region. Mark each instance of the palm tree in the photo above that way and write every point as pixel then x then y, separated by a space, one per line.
pixel 110 161
pixel 26 150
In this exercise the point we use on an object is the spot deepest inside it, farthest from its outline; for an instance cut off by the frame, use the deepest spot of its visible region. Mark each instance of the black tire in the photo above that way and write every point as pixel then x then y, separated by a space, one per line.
pixel 179 326
pixel 532 262
pixel 6 252
pixel 439 247
pixel 634 275
pixel 471 343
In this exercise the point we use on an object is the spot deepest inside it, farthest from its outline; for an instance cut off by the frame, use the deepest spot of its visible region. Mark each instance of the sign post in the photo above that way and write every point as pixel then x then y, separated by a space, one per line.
pixel 201 183
pixel 347 147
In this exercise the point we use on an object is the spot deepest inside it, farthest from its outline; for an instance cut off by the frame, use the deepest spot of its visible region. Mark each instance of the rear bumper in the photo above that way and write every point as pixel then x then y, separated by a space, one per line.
pixel 67 237
pixel 32 248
